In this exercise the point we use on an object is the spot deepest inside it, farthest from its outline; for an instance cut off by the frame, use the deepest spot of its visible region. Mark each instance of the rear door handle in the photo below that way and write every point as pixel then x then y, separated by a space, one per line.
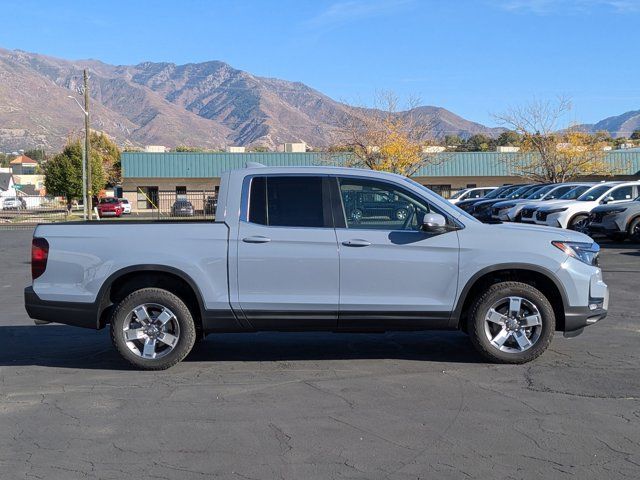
pixel 356 242
pixel 256 239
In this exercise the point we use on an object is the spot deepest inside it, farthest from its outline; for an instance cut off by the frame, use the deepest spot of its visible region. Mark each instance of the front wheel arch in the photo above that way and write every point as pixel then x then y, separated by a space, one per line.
pixel 533 275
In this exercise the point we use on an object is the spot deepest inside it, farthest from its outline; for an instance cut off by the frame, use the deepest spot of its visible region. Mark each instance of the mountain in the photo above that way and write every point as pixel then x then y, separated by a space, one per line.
pixel 209 104
pixel 618 126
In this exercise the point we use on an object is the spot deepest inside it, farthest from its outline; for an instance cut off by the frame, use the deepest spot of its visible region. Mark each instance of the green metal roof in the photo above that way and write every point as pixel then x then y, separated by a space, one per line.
pixel 211 165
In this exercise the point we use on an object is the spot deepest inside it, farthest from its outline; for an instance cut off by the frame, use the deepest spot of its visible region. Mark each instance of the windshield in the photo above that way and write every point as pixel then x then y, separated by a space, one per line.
pixel 459 193
pixel 594 193
pixel 507 191
pixel 518 193
pixel 575 192
pixel 538 193
pixel 494 193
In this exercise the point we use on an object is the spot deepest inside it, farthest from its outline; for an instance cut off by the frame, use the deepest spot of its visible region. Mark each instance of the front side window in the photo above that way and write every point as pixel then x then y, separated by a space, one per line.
pixel 288 201
pixel 374 205
pixel 622 193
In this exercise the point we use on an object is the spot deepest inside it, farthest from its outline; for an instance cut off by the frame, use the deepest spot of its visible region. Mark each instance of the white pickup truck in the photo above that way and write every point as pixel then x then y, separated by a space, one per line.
pixel 317 249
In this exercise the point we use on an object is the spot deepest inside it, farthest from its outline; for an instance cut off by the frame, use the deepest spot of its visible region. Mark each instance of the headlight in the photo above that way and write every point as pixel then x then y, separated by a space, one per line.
pixel 555 210
pixel 585 252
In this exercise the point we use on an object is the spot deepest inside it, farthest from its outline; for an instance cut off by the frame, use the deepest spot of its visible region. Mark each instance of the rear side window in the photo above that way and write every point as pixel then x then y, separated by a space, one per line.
pixel 622 193
pixel 289 201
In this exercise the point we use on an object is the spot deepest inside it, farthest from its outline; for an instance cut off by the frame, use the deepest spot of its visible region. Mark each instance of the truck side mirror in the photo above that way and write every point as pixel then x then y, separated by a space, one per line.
pixel 433 222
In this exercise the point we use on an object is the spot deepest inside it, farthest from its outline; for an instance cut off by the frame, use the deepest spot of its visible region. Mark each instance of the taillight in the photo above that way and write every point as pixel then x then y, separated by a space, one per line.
pixel 39 255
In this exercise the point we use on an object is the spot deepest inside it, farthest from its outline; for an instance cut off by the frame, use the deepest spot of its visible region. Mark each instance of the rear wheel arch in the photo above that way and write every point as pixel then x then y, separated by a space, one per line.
pixel 539 277
pixel 127 280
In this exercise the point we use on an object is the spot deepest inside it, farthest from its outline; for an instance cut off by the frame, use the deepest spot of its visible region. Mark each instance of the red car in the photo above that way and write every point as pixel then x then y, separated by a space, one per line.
pixel 110 207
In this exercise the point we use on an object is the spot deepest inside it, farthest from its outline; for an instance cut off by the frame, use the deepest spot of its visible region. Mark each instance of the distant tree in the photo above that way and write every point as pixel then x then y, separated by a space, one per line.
pixel 635 135
pixel 109 154
pixel 389 139
pixel 453 141
pixel 37 154
pixel 618 142
pixel 186 148
pixel 602 136
pixel 259 149
pixel 4 160
pixel 480 143
pixel 63 173
pixel 556 155
pixel 509 138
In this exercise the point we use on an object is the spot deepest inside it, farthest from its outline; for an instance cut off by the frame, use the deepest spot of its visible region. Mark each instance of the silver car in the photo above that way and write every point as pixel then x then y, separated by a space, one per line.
pixel 617 221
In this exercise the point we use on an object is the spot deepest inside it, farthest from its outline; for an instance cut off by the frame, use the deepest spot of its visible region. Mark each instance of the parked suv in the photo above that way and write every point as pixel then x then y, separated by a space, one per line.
pixel 617 221
pixel 470 193
pixel 483 209
pixel 182 208
pixel 511 210
pixel 500 192
pixel 528 212
pixel 110 207
pixel 574 214
pixel 370 204
pixel 14 203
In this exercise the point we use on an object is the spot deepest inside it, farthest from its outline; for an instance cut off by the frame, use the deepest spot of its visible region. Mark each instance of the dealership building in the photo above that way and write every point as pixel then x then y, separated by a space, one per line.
pixel 151 178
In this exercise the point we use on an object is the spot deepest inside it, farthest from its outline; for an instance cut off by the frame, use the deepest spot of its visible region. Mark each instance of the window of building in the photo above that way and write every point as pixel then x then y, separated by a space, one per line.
pixel 288 202
pixel 147 198
pixel 471 185
pixel 181 193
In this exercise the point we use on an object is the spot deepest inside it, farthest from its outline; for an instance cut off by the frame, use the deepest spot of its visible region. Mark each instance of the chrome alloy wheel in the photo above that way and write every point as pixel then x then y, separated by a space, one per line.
pixel 151 331
pixel 513 324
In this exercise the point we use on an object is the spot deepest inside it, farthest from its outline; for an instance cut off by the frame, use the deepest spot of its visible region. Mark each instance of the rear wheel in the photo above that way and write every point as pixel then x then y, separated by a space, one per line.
pixel 152 329
pixel 401 214
pixel 580 223
pixel 511 322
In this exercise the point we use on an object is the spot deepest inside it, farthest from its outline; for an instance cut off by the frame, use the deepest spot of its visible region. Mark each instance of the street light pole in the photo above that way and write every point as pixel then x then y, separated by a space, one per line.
pixel 85 202
pixel 87 147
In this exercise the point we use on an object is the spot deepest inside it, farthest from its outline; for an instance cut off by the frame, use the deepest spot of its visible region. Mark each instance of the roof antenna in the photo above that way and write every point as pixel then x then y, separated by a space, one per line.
pixel 254 165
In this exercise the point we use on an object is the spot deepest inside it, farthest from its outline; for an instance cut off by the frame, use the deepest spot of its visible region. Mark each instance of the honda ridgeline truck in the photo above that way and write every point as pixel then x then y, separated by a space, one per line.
pixel 285 253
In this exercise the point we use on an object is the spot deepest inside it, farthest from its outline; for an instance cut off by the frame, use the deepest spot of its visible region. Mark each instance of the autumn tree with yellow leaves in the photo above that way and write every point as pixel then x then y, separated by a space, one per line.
pixel 386 137
pixel 555 155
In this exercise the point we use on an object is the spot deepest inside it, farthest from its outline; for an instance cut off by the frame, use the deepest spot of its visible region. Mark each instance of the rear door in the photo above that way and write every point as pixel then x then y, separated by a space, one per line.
pixel 287 253
pixel 393 275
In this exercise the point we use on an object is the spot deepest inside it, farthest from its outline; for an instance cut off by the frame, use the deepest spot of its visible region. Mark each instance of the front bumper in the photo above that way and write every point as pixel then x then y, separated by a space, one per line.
pixel 77 314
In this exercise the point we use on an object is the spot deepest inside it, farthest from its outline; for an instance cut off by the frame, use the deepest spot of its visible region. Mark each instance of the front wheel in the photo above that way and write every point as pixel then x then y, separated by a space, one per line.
pixel 580 223
pixel 634 230
pixel 152 329
pixel 511 322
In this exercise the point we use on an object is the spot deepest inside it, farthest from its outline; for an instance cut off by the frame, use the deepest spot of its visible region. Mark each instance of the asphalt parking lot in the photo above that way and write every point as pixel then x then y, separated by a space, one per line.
pixel 319 406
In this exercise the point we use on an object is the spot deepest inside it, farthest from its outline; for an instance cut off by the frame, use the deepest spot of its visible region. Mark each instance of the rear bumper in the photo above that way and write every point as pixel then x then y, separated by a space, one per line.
pixel 70 313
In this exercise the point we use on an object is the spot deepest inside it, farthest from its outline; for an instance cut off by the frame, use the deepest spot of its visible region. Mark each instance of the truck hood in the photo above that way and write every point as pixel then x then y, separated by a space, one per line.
pixel 556 233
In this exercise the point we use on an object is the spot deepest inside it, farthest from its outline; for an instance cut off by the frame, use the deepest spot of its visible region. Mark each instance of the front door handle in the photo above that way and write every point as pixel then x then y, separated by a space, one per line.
pixel 256 239
pixel 356 242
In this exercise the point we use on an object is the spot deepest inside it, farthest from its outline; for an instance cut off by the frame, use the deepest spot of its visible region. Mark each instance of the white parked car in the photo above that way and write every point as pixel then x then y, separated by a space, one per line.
pixel 511 210
pixel 529 209
pixel 470 193
pixel 126 206
pixel 574 214
pixel 13 203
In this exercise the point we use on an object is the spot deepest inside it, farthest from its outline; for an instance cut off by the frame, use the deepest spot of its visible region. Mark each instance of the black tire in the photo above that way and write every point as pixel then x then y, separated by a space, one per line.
pixel 579 223
pixel 477 321
pixel 182 317
pixel 634 230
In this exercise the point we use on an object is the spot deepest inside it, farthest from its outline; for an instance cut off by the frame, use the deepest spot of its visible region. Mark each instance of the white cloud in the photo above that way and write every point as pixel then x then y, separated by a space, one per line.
pixel 353 10
pixel 543 7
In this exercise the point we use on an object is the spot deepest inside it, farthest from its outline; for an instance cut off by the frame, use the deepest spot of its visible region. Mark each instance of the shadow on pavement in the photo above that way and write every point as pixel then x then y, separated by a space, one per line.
pixel 69 347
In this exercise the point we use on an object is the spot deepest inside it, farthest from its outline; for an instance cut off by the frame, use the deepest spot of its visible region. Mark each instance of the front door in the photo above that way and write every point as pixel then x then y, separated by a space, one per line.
pixel 393 275
pixel 288 255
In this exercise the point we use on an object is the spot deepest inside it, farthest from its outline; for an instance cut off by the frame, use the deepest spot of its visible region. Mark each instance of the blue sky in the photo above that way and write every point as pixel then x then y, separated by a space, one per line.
pixel 472 57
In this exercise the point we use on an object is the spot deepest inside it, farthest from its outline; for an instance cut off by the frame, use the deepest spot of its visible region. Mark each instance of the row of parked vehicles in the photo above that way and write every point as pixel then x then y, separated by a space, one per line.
pixel 116 207
pixel 608 208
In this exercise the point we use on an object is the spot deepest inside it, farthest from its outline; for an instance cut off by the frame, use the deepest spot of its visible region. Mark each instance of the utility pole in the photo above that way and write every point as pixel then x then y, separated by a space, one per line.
pixel 87 147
